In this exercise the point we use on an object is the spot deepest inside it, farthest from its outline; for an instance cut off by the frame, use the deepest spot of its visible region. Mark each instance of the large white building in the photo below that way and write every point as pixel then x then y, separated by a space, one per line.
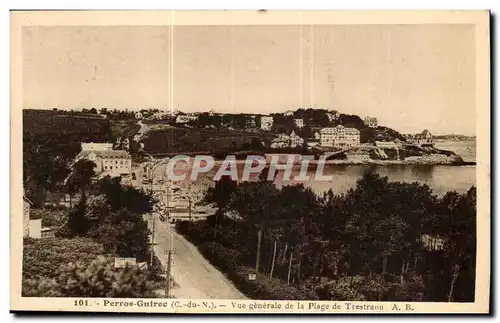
pixel 339 136
pixel 266 123
pixel 114 162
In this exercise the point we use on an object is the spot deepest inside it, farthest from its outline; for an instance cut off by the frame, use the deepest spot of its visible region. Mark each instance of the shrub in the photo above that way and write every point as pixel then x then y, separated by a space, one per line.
pixel 50 217
pixel 125 234
pixel 44 257
pixel 411 290
pixel 391 153
pixel 264 287
pixel 343 289
pixel 97 279
pixel 224 258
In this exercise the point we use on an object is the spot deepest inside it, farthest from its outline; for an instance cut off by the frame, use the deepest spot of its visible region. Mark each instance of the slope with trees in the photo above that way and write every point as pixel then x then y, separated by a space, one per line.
pixel 382 240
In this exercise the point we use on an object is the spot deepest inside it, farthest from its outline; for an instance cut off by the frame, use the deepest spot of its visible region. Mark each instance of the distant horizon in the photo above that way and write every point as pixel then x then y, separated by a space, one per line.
pixel 411 77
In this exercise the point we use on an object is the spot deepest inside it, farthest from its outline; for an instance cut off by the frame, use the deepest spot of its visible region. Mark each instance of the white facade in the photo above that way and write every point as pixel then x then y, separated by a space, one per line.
pixel 371 122
pixel 126 144
pixel 138 115
pixel 312 143
pixel 387 144
pixel 283 140
pixel 266 123
pixel 299 123
pixel 339 136
pixel 182 119
pixel 93 146
pixel 251 121
pixel 35 230
pixel 332 115
pixel 114 162
pixel 295 140
pixel 424 139
pixel 26 216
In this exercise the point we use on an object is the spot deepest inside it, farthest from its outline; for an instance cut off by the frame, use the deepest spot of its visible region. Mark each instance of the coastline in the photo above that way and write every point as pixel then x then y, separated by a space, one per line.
pixel 378 162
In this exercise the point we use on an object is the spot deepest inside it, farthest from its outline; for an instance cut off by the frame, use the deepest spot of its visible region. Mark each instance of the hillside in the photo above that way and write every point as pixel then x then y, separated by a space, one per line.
pixel 172 139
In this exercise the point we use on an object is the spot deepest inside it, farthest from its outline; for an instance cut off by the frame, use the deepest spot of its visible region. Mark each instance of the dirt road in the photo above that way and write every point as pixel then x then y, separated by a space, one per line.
pixel 194 276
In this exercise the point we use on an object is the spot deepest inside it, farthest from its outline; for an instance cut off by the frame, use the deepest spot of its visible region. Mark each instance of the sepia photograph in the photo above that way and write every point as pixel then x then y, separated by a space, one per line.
pixel 250 161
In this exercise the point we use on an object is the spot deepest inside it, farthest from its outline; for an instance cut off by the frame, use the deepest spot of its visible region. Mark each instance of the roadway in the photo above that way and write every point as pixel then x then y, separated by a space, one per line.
pixel 193 275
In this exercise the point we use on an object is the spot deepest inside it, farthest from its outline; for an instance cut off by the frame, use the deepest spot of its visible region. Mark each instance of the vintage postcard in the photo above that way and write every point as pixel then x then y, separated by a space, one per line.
pixel 250 161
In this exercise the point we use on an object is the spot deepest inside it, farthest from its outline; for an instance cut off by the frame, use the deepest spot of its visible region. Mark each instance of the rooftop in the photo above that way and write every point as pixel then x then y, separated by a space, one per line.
pixel 121 154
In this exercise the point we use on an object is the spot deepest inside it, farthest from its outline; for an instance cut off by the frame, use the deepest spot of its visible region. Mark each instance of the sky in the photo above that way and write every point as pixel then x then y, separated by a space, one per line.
pixel 411 77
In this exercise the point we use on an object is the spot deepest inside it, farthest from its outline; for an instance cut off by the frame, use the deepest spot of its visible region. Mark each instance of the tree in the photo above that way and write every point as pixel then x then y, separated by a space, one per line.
pixel 382 240
pixel 219 195
pixel 255 203
pixel 81 176
pixel 460 234
pixel 77 223
pixel 125 234
pixel 119 196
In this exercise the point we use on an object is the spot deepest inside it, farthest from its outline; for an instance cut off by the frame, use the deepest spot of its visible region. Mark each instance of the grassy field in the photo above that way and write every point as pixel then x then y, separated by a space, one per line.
pixel 62 123
pixel 196 140
pixel 44 122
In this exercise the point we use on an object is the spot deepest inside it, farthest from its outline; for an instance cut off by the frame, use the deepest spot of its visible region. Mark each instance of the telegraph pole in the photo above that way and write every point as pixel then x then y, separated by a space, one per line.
pixel 168 268
pixel 152 237
pixel 151 176
pixel 168 273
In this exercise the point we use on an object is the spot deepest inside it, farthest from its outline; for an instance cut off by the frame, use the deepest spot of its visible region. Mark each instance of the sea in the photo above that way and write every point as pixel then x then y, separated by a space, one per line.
pixel 440 178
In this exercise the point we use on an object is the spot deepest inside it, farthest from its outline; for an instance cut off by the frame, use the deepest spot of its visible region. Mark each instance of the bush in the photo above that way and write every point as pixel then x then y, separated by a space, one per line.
pixel 64 232
pixel 51 217
pixel 370 288
pixel 224 258
pixel 343 289
pixel 411 290
pixel 266 288
pixel 125 234
pixel 391 153
pixel 97 279
pixel 44 257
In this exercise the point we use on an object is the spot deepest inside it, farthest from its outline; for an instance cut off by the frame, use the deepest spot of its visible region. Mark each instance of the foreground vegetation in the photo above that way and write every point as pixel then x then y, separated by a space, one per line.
pixel 381 241
pixel 105 222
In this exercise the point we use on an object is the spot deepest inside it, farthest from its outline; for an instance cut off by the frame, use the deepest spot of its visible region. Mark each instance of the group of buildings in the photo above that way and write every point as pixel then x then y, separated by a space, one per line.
pixel 284 140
